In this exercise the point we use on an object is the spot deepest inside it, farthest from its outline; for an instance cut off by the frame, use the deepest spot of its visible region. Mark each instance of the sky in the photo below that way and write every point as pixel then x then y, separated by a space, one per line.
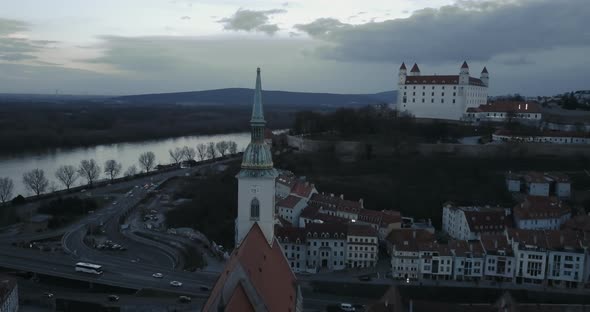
pixel 114 47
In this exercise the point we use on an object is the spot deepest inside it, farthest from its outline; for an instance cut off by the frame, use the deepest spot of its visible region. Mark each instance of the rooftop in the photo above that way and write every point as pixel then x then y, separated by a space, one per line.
pixel 540 207
pixel 506 107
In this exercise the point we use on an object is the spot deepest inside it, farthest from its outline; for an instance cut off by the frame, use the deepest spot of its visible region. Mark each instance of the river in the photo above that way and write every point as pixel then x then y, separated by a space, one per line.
pixel 14 166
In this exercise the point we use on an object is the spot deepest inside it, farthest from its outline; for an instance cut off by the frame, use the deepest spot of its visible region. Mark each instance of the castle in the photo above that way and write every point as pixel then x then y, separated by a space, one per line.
pixel 440 96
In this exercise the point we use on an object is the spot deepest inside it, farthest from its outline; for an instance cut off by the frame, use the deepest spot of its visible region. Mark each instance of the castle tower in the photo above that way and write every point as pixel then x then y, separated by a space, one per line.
pixel 464 74
pixel 415 71
pixel 485 77
pixel 403 73
pixel 256 179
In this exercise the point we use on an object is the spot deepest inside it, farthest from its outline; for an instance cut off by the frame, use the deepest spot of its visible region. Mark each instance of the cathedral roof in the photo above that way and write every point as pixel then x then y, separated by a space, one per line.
pixel 257 274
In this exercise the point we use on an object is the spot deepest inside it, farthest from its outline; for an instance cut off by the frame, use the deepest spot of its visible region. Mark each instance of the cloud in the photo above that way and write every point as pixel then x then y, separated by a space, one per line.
pixel 249 20
pixel 14 46
pixel 472 30
pixel 322 27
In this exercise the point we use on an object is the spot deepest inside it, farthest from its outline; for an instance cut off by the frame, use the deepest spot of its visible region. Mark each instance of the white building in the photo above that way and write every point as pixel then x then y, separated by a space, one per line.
pixel 561 183
pixel 530 250
pixel 468 223
pixel 555 137
pixel 513 182
pixel 536 184
pixel 362 246
pixel 440 96
pixel 523 112
pixel 290 208
pixel 436 262
pixel 404 247
pixel 540 213
pixel 499 262
pixel 468 260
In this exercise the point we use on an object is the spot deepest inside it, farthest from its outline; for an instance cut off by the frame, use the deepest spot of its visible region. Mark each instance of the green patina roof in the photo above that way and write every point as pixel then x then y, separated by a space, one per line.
pixel 257 158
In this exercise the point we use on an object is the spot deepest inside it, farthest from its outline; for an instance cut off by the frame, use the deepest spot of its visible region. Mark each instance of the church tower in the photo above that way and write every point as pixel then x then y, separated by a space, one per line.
pixel 403 73
pixel 256 179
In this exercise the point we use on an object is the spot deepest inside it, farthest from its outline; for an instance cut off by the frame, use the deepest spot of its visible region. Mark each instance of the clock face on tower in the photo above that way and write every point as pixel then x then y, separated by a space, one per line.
pixel 254 189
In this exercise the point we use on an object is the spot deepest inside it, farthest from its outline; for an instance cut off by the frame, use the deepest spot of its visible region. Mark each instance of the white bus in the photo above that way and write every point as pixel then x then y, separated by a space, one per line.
pixel 88 268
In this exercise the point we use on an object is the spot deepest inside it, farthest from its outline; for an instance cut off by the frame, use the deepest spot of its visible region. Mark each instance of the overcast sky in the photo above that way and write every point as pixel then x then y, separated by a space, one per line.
pixel 535 47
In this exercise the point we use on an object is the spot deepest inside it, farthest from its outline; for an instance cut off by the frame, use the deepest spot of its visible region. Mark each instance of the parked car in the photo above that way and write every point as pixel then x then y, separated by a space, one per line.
pixel 347 307
pixel 48 295
pixel 113 298
pixel 157 275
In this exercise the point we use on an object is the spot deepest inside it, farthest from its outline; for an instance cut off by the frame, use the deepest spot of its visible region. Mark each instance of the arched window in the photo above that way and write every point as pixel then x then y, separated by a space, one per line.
pixel 255 209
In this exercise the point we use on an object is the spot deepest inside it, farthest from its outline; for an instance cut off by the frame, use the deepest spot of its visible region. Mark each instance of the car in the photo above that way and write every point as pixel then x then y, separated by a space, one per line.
pixel 48 295
pixel 184 299
pixel 158 275
pixel 347 307
pixel 83 190
pixel 365 278
pixel 113 298
pixel 114 203
pixel 204 288
pixel 175 283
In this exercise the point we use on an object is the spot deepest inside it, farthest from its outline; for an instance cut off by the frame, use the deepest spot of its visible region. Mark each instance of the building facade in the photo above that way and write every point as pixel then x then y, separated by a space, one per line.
pixel 522 112
pixel 8 294
pixel 440 96
pixel 468 223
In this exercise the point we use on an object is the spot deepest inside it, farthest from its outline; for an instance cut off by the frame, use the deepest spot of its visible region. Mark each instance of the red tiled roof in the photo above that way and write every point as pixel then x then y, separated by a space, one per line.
pixel 289 202
pixel 302 189
pixel 548 239
pixel 381 218
pixel 332 229
pixel 361 230
pixel 239 301
pixel 464 65
pixel 415 69
pixel 268 133
pixel 535 177
pixel 493 243
pixel 287 180
pixel 330 202
pixel 507 107
pixel 578 223
pixel 441 80
pixel 487 220
pixel 290 234
pixel 558 177
pixel 390 216
pixel 409 240
pixel 267 270
pixel 550 134
pixel 464 248
pixel 476 82
pixel 540 207
pixel 309 212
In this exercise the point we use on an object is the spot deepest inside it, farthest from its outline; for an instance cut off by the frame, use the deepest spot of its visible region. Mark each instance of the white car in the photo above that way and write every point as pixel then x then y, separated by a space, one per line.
pixel 175 283
pixel 157 275
pixel 347 307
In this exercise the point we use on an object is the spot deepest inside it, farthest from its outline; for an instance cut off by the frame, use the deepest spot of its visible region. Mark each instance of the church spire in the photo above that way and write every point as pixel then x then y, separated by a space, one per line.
pixel 257 112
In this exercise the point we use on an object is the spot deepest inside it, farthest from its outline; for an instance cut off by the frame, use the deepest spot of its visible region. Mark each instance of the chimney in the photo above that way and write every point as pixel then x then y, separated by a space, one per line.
pixel 341 196
pixel 361 201
pixel 561 239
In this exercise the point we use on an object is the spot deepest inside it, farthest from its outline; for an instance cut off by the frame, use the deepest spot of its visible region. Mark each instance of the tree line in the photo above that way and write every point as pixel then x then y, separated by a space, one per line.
pixel 37 182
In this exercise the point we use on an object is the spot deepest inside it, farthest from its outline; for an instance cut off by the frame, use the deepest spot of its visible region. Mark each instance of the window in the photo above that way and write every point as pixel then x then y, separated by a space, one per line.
pixel 432 94
pixel 423 87
pixel 414 87
pixel 255 209
pixel 442 94
pixel 405 87
pixel 422 100
pixel 414 93
pixel 431 100
pixel 423 93
pixel 442 100
pixel 413 100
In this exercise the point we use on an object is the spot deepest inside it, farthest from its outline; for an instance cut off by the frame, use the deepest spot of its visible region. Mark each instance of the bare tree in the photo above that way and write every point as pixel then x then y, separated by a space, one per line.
pixel 211 150
pixel 189 153
pixel 222 147
pixel 112 168
pixel 232 147
pixel 6 187
pixel 131 171
pixel 90 170
pixel 147 161
pixel 176 154
pixel 67 175
pixel 202 151
pixel 35 181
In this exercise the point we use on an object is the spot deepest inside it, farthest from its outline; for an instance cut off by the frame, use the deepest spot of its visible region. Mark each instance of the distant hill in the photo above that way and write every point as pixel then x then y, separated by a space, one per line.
pixel 243 97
